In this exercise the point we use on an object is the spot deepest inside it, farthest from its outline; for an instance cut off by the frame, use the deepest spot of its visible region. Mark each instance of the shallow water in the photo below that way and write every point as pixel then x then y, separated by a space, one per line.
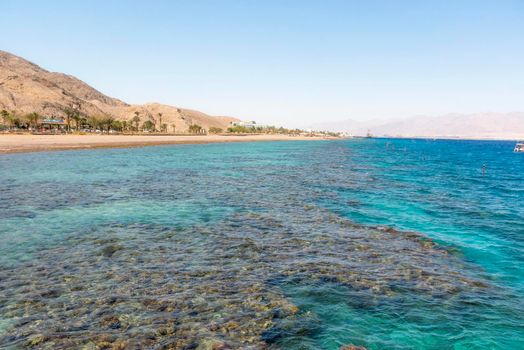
pixel 388 244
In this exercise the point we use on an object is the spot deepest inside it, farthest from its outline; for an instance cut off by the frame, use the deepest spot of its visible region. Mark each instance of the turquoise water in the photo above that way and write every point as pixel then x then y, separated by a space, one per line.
pixel 387 244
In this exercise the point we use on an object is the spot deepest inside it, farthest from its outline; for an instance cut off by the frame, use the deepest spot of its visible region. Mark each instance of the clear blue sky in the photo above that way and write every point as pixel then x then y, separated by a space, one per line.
pixel 284 62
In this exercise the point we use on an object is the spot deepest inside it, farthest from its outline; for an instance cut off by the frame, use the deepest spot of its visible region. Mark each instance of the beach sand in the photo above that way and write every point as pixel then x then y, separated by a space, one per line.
pixel 15 143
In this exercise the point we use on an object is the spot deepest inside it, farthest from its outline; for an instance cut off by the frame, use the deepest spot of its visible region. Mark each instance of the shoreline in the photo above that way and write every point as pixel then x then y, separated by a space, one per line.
pixel 444 138
pixel 26 143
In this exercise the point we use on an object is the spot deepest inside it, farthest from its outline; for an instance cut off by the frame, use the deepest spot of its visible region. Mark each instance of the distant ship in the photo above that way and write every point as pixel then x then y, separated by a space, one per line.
pixel 519 147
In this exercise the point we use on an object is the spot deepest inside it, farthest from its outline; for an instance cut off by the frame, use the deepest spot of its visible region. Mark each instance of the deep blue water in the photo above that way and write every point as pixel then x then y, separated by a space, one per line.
pixel 384 243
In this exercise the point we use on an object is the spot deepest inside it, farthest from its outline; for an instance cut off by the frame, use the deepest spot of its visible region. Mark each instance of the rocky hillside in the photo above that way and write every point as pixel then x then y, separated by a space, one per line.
pixel 26 87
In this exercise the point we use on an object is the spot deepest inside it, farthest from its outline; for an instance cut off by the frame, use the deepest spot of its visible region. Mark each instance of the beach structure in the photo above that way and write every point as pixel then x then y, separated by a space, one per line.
pixel 52 125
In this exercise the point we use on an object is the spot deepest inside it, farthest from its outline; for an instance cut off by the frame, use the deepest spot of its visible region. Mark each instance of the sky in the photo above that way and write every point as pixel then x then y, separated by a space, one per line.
pixel 283 62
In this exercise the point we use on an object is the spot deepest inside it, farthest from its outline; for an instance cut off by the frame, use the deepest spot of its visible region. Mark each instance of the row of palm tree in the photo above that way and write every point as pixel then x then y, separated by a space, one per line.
pixel 32 121
pixel 74 121
pixel 150 124
pixel 13 120
pixel 239 129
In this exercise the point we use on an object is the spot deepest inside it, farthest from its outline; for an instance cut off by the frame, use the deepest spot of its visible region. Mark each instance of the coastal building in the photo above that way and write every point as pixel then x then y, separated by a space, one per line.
pixel 248 124
pixel 52 125
pixel 244 123
pixel 52 121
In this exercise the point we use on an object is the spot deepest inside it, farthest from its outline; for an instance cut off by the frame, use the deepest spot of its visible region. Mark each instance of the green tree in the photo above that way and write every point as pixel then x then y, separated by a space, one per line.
pixel 77 119
pixel 153 120
pixel 82 122
pixel 32 119
pixel 271 130
pixel 148 125
pixel 195 129
pixel 5 117
pixel 173 126
pixel 160 120
pixel 93 122
pixel 136 120
pixel 17 121
pixel 163 127
pixel 68 122
pixel 117 125
pixel 238 129
pixel 72 112
pixel 106 123
pixel 214 130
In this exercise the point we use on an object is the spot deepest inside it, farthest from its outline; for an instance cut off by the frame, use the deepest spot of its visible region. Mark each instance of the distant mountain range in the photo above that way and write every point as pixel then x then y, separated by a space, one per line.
pixel 26 87
pixel 470 126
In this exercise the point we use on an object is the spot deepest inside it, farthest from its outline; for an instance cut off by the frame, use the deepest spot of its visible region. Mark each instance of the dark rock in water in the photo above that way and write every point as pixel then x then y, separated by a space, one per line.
pixel 50 293
pixel 110 300
pixel 272 335
pixel 24 214
pixel 290 327
pixel 109 250
pixel 190 346
pixel 111 322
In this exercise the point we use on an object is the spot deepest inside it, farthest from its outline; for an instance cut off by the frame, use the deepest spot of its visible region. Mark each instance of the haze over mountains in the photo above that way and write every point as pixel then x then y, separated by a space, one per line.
pixel 26 87
pixel 470 126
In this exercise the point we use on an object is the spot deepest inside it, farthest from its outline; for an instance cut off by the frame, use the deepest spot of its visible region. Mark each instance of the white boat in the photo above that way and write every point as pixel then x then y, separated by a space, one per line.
pixel 519 147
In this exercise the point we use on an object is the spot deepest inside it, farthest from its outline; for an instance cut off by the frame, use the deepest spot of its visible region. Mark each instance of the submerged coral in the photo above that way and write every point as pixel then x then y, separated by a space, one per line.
pixel 210 287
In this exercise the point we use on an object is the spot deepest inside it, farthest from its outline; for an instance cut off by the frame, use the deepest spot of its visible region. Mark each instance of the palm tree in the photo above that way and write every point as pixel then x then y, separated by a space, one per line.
pixel 153 121
pixel 68 121
pixel 5 116
pixel 32 119
pixel 72 111
pixel 93 122
pixel 76 118
pixel 148 125
pixel 174 128
pixel 195 129
pixel 15 120
pixel 117 125
pixel 83 121
pixel 136 119
pixel 160 120
pixel 107 122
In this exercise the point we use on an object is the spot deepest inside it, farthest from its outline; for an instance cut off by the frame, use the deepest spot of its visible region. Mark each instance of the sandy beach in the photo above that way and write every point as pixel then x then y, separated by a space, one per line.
pixel 35 143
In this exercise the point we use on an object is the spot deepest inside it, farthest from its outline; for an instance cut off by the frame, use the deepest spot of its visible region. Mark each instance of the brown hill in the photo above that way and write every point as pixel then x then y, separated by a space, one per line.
pixel 26 87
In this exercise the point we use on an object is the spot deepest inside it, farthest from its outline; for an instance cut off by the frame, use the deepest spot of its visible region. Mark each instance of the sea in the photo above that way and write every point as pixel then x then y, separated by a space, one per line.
pixel 373 243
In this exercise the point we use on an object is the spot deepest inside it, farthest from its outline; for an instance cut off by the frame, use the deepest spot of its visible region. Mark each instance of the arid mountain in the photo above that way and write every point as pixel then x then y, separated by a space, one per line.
pixel 26 87
pixel 470 126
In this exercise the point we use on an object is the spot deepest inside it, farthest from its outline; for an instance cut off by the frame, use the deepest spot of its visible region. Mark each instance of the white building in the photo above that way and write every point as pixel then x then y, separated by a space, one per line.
pixel 248 124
